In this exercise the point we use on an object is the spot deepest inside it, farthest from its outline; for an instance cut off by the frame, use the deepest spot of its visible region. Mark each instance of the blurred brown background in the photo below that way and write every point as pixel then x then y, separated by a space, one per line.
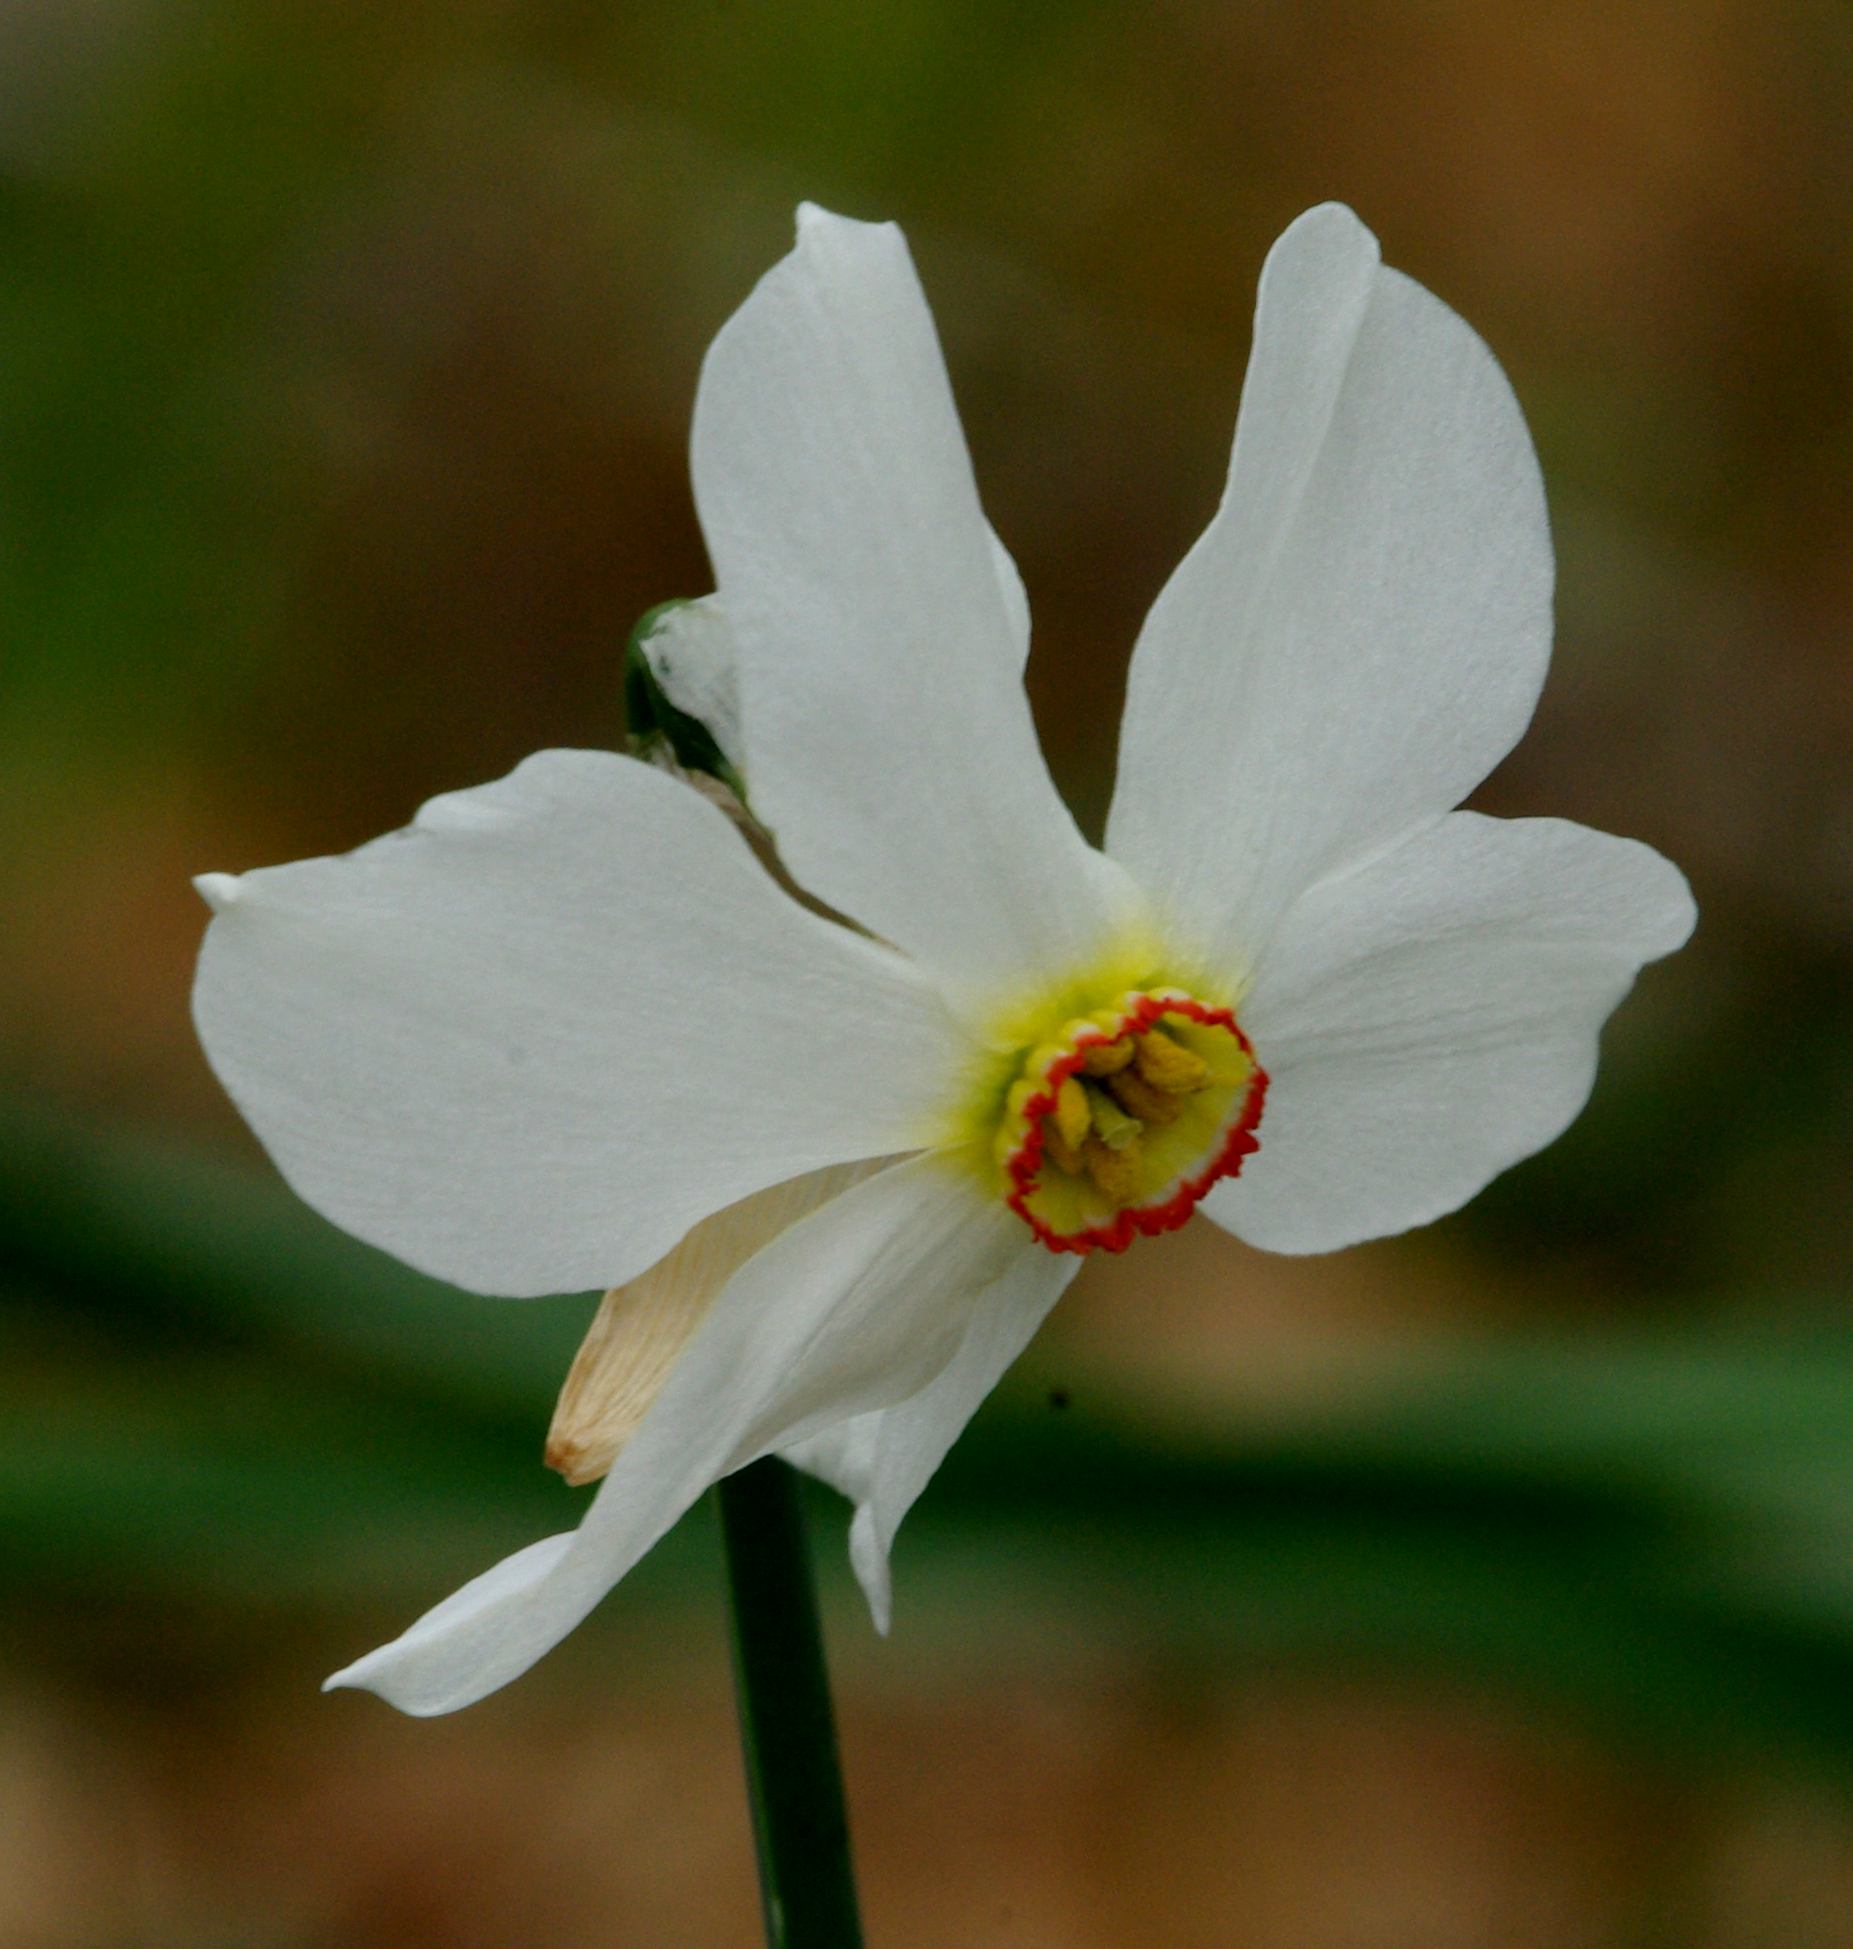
pixel 1487 1589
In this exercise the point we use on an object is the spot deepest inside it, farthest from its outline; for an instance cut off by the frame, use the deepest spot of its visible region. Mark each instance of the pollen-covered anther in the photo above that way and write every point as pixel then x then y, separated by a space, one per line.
pixel 1059 1152
pixel 1121 1119
pixel 1167 1066
pixel 1107 1058
pixel 1073 1115
pixel 1115 1170
pixel 1139 1099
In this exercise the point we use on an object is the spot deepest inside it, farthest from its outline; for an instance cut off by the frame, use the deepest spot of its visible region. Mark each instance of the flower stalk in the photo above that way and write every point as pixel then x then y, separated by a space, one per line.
pixel 787 1729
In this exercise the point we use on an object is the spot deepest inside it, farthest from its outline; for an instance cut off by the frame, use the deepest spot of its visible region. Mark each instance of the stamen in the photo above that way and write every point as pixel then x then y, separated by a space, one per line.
pixel 1115 1171
pixel 1073 1113
pixel 1168 1065
pixel 1138 1099
pixel 1107 1058
pixel 1059 1151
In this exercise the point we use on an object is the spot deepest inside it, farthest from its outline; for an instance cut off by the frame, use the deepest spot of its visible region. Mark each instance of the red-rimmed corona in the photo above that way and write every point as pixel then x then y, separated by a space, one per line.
pixel 1115 1129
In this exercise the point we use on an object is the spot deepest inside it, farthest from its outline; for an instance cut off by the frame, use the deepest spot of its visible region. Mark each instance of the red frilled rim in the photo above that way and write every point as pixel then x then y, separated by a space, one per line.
pixel 1136 1221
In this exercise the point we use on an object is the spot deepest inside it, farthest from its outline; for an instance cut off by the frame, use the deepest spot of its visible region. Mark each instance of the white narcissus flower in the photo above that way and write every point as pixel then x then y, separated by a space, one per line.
pixel 568 1031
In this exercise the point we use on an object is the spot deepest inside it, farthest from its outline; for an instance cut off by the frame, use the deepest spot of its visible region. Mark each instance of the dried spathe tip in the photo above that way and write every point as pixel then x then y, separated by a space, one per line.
pixel 621 1365
pixel 640 1329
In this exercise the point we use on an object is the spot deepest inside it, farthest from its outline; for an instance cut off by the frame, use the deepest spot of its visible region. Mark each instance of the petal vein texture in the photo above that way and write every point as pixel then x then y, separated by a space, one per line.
pixel 1432 1018
pixel 879 628
pixel 1362 631
pixel 527 1043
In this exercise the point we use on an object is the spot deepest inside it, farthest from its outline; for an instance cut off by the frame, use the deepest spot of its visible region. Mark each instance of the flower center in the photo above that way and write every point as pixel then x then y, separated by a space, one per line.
pixel 1117 1123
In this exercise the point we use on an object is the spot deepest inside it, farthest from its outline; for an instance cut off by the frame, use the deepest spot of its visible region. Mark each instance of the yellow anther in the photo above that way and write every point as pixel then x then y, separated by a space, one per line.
pixel 1168 1065
pixel 1138 1099
pixel 1115 1128
pixel 1073 1113
pixel 1116 1172
pixel 1107 1058
pixel 1059 1151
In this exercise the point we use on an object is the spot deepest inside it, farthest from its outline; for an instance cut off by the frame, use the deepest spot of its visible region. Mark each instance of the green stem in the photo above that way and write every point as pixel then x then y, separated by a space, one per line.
pixel 792 1775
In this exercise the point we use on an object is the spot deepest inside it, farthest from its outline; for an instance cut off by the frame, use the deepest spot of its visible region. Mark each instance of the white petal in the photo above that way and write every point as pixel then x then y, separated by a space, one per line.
pixel 1431 1018
pixel 852 1308
pixel 503 1588
pixel 882 1461
pixel 888 739
pixel 692 655
pixel 1014 596
pixel 1362 631
pixel 528 1042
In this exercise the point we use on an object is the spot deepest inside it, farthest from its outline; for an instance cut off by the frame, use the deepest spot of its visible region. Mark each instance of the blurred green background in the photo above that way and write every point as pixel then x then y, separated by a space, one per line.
pixel 1488 1588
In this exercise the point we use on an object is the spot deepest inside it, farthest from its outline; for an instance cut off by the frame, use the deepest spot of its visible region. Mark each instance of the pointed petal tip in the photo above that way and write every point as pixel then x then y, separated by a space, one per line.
pixel 1665 910
pixel 359 1676
pixel 818 226
pixel 1330 225
pixel 868 1558
pixel 815 223
pixel 1331 209
pixel 354 1678
pixel 1682 912
pixel 879 1591
pixel 218 890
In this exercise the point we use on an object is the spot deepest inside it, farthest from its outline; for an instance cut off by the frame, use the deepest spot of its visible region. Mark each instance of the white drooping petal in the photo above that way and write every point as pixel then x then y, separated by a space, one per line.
pixel 888 740
pixel 528 1042
pixel 882 1461
pixel 1361 633
pixel 1014 596
pixel 641 1328
pixel 691 654
pixel 1432 1017
pixel 850 1309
